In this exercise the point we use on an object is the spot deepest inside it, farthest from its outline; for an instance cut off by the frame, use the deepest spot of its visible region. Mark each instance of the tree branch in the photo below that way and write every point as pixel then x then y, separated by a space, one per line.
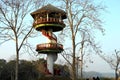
pixel 25 38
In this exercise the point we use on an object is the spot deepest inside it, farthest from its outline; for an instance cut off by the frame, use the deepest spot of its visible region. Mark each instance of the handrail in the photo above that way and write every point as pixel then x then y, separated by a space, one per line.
pixel 50 46
pixel 47 20
pixel 49 35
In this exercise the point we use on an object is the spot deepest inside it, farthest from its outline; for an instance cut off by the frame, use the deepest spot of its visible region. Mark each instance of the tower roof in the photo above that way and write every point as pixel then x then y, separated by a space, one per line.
pixel 49 9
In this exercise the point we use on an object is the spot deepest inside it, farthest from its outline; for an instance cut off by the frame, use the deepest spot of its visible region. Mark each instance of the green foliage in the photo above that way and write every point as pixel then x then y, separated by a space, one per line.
pixel 7 72
pixel 106 79
pixel 29 70
pixel 54 78
pixel 102 78
pixel 2 64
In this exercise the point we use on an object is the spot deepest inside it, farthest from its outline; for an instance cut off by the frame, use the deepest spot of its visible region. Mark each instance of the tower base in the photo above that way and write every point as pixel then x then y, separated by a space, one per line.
pixel 51 58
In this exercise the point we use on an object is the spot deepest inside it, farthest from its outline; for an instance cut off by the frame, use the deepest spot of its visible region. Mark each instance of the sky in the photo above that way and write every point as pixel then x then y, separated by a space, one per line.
pixel 109 42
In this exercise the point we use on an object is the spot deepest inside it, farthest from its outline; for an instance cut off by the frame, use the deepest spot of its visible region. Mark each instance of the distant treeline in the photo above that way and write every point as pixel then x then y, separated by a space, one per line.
pixel 28 70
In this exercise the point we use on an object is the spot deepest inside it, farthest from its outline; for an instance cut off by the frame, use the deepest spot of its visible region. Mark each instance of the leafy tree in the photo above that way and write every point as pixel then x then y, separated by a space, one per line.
pixel 2 64
pixel 8 71
pixel 28 71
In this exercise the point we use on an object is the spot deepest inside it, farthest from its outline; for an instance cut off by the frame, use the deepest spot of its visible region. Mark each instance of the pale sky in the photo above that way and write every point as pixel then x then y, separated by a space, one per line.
pixel 108 42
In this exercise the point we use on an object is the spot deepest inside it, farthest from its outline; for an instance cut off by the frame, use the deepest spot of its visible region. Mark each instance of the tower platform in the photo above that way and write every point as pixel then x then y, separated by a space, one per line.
pixel 49 48
pixel 49 17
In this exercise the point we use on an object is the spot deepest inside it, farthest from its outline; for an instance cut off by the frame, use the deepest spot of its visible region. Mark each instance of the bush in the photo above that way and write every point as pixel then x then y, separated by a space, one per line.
pixel 54 78
pixel 106 79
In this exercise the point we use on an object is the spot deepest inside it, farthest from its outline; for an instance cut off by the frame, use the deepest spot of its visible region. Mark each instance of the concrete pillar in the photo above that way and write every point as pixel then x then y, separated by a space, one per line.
pixel 51 58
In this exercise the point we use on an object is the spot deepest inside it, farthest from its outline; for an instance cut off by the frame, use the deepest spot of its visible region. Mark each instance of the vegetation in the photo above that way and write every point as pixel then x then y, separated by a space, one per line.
pixel 14 26
pixel 28 70
pixel 32 70
pixel 83 18
pixel 114 62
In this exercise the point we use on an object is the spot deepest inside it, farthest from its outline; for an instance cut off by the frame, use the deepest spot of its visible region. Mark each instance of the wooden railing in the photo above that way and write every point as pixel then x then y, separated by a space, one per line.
pixel 49 46
pixel 48 20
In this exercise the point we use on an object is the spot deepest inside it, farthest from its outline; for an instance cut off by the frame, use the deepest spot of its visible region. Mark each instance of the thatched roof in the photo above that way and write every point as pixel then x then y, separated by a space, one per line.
pixel 49 9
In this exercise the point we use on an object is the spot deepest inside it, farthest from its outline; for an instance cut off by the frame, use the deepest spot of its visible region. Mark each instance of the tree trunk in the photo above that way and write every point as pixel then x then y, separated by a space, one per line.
pixel 81 69
pixel 73 63
pixel 17 63
pixel 81 54
pixel 17 60
pixel 116 74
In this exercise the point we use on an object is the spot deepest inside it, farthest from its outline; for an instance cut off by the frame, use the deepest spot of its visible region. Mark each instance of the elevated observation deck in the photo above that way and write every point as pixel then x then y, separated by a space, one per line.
pixel 49 17
pixel 55 24
pixel 49 48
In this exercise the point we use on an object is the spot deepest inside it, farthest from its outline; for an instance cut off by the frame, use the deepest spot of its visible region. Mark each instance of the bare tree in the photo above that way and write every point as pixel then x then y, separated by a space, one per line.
pixel 114 61
pixel 15 24
pixel 83 16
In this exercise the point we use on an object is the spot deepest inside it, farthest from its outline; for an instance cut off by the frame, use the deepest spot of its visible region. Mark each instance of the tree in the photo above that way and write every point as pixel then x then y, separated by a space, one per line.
pixel 27 71
pixel 83 17
pixel 114 61
pixel 8 71
pixel 2 64
pixel 15 25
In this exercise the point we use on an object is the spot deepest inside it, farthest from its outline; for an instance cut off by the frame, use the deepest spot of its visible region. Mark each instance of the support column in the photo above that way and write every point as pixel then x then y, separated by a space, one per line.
pixel 51 58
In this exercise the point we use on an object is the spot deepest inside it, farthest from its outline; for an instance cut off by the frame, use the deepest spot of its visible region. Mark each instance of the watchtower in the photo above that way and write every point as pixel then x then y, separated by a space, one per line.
pixel 47 20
